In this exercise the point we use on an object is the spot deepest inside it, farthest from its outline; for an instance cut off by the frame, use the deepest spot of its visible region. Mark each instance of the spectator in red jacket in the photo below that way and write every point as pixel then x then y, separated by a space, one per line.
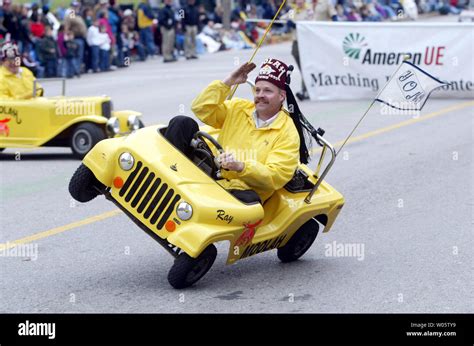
pixel 37 27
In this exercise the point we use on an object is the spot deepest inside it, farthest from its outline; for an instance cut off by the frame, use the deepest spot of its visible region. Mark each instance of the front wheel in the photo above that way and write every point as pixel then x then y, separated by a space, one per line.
pixel 84 137
pixel 300 242
pixel 84 186
pixel 187 270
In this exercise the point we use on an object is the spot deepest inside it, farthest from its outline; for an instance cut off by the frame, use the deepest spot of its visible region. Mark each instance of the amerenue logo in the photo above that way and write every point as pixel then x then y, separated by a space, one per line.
pixel 353 44
pixel 356 47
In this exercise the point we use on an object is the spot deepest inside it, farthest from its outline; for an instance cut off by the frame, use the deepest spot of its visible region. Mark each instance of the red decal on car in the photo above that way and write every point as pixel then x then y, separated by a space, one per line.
pixel 4 129
pixel 248 233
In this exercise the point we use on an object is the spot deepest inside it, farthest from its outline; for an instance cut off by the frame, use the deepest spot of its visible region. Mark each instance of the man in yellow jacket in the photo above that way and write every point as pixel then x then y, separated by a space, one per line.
pixel 145 19
pixel 260 140
pixel 16 82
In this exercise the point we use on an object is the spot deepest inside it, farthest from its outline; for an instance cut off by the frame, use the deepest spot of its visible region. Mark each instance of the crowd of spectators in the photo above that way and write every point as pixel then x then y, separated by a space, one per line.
pixel 379 10
pixel 100 35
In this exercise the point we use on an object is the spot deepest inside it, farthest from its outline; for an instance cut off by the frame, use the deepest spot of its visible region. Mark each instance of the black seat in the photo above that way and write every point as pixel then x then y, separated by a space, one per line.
pixel 299 182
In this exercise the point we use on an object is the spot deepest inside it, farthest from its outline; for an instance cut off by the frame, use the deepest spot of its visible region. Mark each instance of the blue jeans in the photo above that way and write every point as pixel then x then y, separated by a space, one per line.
pixel 141 51
pixel 50 67
pixel 121 56
pixel 180 42
pixel 39 71
pixel 95 58
pixel 454 10
pixel 71 68
pixel 104 60
pixel 146 39
pixel 78 61
pixel 62 68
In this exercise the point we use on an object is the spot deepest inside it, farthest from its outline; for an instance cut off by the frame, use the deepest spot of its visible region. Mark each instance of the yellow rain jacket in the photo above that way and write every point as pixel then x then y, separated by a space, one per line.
pixel 270 154
pixel 17 86
pixel 143 20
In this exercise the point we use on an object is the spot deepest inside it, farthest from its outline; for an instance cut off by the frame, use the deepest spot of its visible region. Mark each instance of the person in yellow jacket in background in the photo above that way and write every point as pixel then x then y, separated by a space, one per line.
pixel 145 20
pixel 261 141
pixel 16 81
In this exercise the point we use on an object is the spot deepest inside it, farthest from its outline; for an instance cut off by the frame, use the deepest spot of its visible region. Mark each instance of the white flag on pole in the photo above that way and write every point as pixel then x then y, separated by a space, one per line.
pixel 408 88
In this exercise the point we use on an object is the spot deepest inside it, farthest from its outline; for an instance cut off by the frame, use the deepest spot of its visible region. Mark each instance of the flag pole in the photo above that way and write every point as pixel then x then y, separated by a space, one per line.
pixel 370 106
pixel 355 127
pixel 234 89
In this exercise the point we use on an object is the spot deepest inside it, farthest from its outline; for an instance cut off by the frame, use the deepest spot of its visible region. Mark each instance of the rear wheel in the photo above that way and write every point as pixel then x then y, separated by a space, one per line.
pixel 187 270
pixel 300 242
pixel 84 186
pixel 84 137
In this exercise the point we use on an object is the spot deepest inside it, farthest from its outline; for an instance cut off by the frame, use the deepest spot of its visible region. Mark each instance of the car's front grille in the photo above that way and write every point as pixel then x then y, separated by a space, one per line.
pixel 107 109
pixel 148 194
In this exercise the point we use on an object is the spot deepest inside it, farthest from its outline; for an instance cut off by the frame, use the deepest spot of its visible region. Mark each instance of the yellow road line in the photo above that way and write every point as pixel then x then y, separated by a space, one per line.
pixel 402 124
pixel 60 229
pixel 112 213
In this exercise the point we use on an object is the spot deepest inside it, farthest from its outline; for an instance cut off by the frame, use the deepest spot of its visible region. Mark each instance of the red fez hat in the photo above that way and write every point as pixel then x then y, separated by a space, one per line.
pixel 273 71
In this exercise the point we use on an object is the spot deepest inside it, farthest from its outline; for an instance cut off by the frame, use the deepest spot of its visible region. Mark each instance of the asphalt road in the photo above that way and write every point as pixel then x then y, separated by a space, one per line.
pixel 409 206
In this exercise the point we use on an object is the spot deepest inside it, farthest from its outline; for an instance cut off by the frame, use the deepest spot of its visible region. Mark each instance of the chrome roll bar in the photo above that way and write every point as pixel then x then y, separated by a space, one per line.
pixel 326 145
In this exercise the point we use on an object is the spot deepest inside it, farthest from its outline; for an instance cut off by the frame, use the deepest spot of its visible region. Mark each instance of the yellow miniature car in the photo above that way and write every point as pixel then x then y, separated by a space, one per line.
pixel 60 121
pixel 179 203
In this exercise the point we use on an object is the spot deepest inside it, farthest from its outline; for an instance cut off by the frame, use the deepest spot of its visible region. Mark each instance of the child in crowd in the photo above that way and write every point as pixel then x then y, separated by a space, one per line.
pixel 131 41
pixel 104 46
pixel 48 53
pixel 72 52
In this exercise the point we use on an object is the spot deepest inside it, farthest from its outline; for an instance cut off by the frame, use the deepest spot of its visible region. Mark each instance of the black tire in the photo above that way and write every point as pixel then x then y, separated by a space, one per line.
pixel 2 149
pixel 83 184
pixel 187 270
pixel 84 137
pixel 300 242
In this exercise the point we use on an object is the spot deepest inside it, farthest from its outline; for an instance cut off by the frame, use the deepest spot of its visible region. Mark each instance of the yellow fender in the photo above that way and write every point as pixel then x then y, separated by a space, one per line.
pixel 96 119
pixel 102 159
pixel 194 238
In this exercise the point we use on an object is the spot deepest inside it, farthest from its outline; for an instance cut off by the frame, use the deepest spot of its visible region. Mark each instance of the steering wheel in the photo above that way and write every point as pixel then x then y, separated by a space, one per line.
pixel 215 164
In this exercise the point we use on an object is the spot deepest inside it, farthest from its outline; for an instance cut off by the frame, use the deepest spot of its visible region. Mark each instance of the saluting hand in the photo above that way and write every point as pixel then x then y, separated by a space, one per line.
pixel 240 75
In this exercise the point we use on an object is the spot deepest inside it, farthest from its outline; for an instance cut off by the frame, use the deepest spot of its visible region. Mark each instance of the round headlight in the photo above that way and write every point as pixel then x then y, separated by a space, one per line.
pixel 126 161
pixel 133 123
pixel 184 211
pixel 113 126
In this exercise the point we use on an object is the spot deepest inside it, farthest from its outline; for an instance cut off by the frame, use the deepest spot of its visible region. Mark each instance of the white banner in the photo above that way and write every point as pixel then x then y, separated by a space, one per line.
pixel 342 61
